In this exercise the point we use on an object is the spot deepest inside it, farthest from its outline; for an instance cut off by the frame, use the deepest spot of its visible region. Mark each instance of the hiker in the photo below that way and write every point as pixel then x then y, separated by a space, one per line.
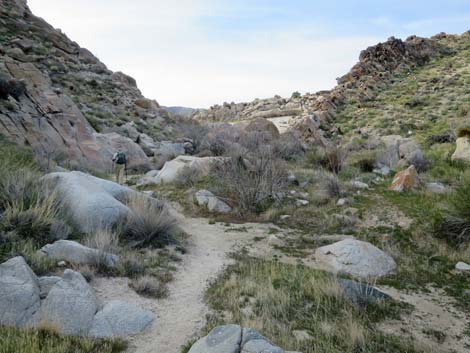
pixel 120 166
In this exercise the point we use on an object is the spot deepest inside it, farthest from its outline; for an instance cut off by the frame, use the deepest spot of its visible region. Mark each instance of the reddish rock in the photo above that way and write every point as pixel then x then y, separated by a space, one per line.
pixel 405 180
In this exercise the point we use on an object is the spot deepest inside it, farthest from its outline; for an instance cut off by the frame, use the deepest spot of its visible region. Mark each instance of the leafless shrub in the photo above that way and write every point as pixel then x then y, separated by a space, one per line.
pixel 289 147
pixel 251 181
pixel 332 158
pixel 331 185
pixel 150 223
pixel 420 162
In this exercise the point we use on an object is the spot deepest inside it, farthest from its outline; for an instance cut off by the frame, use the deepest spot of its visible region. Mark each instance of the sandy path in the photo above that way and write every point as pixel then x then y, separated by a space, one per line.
pixel 180 316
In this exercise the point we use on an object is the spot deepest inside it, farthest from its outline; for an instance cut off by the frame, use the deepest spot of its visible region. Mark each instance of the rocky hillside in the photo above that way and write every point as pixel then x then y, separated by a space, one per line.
pixel 378 67
pixel 69 106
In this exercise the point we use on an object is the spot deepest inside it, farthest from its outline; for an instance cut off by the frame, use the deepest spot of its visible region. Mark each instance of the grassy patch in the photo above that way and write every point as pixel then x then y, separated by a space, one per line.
pixel 279 299
pixel 44 341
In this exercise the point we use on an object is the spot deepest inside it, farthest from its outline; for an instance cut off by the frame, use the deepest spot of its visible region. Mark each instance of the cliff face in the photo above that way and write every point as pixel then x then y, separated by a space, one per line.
pixel 73 109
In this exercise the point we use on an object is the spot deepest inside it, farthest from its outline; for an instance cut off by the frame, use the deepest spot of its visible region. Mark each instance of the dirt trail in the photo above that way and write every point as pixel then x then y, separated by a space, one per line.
pixel 180 316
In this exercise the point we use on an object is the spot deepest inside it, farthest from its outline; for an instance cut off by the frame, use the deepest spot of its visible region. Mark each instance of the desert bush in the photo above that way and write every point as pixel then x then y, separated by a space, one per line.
pixel 289 147
pixel 251 181
pixel 149 286
pixel 11 87
pixel 296 94
pixel 330 184
pixel 454 225
pixel 150 223
pixel 333 158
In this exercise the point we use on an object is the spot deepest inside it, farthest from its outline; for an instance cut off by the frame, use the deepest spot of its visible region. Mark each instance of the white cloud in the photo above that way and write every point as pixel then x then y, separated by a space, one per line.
pixel 177 60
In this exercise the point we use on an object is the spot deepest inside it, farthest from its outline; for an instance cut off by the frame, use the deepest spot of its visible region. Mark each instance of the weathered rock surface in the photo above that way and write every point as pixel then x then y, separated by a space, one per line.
pixel 19 293
pixel 234 339
pixel 93 203
pixel 462 266
pixel 120 319
pixel 462 152
pixel 212 202
pixel 70 97
pixel 405 180
pixel 70 305
pixel 78 254
pixel 356 258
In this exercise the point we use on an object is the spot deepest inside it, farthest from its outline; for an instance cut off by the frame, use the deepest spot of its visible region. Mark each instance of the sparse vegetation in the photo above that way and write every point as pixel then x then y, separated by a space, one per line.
pixel 47 341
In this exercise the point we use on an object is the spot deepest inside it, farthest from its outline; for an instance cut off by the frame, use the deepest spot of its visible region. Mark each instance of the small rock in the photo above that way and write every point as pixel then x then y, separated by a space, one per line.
pixel 384 171
pixel 436 188
pixel 212 202
pixel 462 266
pixel 361 294
pixel 300 202
pixel 284 217
pixel 46 283
pixel 359 185
pixel 342 202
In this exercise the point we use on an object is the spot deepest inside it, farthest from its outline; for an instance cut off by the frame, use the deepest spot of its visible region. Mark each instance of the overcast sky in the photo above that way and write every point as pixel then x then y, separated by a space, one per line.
pixel 198 53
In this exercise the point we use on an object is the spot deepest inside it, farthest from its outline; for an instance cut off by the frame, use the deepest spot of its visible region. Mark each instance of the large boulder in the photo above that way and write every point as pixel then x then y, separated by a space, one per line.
pixel 400 151
pixel 70 305
pixel 264 126
pixel 93 203
pixel 212 202
pixel 198 165
pixel 120 319
pixel 462 153
pixel 19 293
pixel 405 180
pixel 78 254
pixel 356 258
pixel 234 339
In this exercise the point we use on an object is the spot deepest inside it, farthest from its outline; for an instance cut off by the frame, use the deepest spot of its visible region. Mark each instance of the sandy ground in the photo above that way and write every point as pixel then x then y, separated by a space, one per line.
pixel 182 315
pixel 435 322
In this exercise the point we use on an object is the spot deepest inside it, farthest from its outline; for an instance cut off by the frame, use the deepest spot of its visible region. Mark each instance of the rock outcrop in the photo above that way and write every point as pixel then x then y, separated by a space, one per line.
pixel 462 152
pixel 356 258
pixel 69 304
pixel 70 97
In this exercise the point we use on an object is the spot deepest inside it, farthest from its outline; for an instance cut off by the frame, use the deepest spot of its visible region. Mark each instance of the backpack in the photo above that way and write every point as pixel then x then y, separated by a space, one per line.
pixel 120 158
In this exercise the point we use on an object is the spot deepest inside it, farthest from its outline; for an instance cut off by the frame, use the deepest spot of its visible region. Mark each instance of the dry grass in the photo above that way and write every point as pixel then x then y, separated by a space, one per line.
pixel 46 340
pixel 150 224
pixel 277 299
pixel 149 287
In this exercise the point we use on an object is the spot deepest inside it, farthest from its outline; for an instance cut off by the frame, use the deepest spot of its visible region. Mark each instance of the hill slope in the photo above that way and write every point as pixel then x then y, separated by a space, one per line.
pixel 72 103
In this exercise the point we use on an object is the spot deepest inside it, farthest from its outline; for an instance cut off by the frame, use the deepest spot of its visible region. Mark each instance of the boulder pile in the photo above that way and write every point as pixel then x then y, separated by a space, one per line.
pixel 67 303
